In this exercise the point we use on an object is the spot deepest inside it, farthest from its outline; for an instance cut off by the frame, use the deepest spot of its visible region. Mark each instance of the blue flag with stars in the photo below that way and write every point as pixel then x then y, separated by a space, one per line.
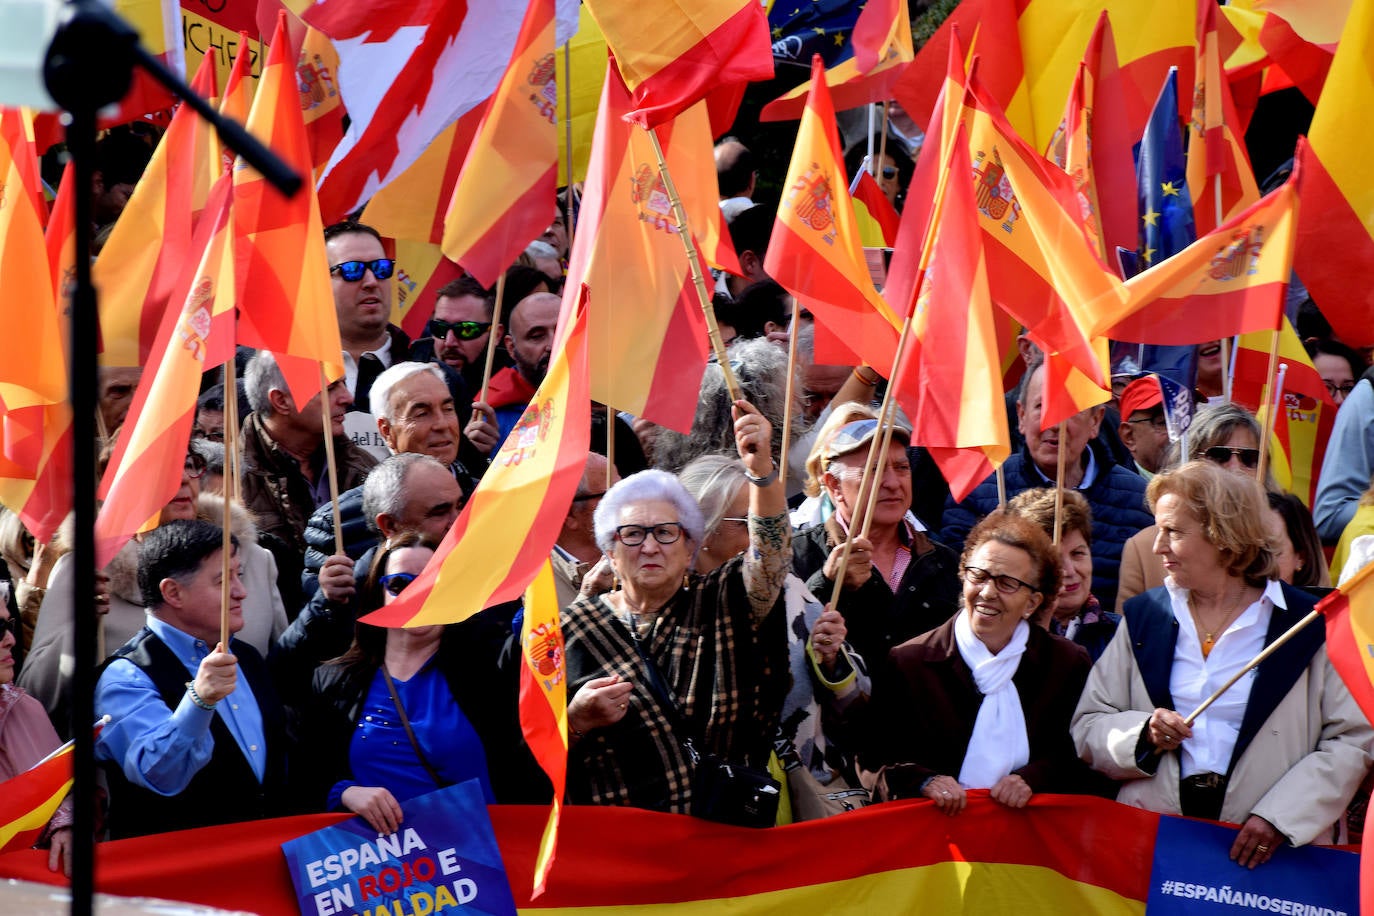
pixel 1166 228
pixel 801 28
pixel 1166 208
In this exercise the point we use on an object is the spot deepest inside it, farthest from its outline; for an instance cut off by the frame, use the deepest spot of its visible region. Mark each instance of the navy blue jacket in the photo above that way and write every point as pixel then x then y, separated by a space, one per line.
pixel 1117 498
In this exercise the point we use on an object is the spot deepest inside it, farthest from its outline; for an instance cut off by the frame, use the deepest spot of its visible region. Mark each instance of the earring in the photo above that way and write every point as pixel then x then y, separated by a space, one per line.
pixel 686 580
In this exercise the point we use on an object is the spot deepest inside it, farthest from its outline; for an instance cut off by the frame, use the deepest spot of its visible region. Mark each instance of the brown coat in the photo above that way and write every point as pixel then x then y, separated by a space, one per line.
pixel 925 706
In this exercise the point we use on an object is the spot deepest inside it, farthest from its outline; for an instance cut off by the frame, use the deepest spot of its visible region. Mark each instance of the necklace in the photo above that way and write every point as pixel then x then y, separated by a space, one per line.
pixel 1210 634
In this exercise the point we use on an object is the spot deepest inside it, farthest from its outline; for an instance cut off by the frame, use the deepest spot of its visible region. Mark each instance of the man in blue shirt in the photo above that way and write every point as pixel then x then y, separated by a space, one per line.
pixel 195 736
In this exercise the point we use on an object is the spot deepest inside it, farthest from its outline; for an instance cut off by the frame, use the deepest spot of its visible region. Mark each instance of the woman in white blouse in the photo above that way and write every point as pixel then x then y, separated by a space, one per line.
pixel 1283 750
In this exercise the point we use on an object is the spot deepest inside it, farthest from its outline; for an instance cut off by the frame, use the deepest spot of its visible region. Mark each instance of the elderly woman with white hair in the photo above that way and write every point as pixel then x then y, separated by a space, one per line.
pixel 670 658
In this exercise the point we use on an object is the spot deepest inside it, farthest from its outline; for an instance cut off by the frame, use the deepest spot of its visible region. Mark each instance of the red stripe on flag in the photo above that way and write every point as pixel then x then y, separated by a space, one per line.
pixel 1178 321
pixel 1332 250
pixel 672 397
pixel 490 254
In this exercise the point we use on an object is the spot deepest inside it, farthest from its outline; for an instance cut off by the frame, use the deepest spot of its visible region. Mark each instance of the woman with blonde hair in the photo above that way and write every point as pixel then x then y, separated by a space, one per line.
pixel 1281 752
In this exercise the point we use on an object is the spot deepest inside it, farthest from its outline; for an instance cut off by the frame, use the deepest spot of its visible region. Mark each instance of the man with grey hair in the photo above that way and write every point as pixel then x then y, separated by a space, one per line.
pixel 284 461
pixel 406 492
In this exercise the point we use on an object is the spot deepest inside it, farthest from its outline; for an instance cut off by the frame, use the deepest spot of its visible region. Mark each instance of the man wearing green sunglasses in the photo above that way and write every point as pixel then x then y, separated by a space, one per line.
pixel 461 327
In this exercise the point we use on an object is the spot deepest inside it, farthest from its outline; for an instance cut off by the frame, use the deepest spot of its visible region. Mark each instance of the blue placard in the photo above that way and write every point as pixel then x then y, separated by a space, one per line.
pixel 443 857
pixel 1193 873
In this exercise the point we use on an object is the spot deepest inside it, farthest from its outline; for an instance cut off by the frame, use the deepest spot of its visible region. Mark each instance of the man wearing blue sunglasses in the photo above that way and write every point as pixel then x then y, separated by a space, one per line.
pixel 361 275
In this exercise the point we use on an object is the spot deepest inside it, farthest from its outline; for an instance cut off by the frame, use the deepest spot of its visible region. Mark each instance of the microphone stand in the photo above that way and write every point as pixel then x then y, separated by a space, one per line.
pixel 89 65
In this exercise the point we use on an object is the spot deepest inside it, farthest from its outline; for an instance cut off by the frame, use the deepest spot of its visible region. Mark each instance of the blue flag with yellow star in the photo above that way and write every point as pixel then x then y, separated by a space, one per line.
pixel 1166 208
pixel 1166 228
pixel 801 28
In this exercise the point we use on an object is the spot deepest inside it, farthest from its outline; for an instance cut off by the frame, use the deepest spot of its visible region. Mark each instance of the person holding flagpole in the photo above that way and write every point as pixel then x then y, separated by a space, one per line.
pixel 670 656
pixel 1280 752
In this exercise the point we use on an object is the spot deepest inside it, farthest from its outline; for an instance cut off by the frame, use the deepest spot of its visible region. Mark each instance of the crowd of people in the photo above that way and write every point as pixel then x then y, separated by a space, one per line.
pixel 742 644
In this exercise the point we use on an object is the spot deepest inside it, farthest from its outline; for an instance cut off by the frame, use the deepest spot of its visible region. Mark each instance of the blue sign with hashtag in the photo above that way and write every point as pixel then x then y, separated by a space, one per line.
pixel 1193 873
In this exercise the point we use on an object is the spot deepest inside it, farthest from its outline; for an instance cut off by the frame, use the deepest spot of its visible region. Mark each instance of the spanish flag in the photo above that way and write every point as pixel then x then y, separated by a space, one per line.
pixel 30 798
pixel 673 53
pixel 814 252
pixel 35 416
pixel 505 533
pixel 1041 262
pixel 1349 613
pixel 874 216
pixel 504 198
pixel 954 370
pixel 421 271
pixel 146 468
pixel 1219 173
pixel 544 703
pixel 647 330
pixel 1336 233
pixel 288 302
pixel 413 205
pixel 1230 281
pixel 151 242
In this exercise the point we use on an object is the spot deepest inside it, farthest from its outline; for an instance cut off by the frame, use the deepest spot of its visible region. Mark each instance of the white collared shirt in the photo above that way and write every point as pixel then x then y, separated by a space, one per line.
pixel 383 353
pixel 1194 678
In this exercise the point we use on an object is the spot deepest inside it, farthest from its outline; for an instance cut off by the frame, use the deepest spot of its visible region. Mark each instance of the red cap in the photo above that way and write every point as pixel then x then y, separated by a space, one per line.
pixel 1142 394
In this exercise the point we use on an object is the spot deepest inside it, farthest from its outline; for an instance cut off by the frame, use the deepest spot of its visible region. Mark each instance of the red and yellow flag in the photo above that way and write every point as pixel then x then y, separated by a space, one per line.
pixel 146 468
pixel 1349 614
pixel 814 252
pixel 1219 173
pixel 954 345
pixel 287 304
pixel 1303 425
pixel 421 271
pixel 544 703
pixel 504 198
pixel 672 54
pixel 31 798
pixel 1336 233
pixel 647 330
pixel 1042 265
pixel 413 205
pixel 506 531
pixel 151 242
pixel 876 220
pixel 1230 281
pixel 35 416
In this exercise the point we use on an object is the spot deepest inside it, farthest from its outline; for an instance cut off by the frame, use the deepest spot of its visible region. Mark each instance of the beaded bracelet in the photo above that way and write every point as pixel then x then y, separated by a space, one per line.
pixel 195 697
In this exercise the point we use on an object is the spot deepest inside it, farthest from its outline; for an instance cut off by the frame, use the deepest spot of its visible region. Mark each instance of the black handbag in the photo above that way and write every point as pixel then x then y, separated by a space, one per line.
pixel 728 793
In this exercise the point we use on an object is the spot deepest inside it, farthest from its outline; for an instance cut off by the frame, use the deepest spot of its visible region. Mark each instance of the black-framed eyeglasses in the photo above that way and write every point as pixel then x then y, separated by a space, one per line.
pixel 1339 391
pixel 395 583
pixel 195 466
pixel 463 330
pixel 9 625
pixel 634 535
pixel 1221 454
pixel 1157 421
pixel 1007 585
pixel 353 271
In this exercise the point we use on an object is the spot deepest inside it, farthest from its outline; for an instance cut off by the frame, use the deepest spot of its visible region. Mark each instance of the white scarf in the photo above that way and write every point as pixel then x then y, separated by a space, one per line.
pixel 999 744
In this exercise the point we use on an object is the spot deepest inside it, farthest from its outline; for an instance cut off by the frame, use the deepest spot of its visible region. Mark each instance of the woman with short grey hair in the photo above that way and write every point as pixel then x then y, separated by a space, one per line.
pixel 675 660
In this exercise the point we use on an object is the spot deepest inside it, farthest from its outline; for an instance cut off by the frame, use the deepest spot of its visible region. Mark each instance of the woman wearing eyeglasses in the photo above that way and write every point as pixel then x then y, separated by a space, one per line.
pixel 405 712
pixel 119 603
pixel 671 656
pixel 1283 750
pixel 1224 434
pixel 984 700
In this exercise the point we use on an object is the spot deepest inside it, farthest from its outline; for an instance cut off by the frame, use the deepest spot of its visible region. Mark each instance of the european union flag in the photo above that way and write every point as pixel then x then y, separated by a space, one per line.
pixel 1166 208
pixel 801 28
pixel 1166 228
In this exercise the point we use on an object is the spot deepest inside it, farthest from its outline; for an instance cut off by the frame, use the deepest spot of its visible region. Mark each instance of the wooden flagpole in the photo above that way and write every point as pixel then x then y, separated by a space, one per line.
pixel 329 460
pixel 231 467
pixel 1059 481
pixel 694 265
pixel 491 335
pixel 1268 430
pixel 1268 651
pixel 791 384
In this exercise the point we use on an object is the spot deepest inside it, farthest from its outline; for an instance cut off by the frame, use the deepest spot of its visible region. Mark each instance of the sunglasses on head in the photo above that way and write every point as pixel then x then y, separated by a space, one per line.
pixel 395 583
pixel 463 330
pixel 1221 454
pixel 353 271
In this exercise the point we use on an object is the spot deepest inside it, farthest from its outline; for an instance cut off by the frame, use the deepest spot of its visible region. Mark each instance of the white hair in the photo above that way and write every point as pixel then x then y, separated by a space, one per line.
pixel 380 394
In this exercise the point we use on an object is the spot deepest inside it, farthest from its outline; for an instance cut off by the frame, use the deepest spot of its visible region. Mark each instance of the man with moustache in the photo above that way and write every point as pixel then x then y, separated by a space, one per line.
pixel 195 737
pixel 529 340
